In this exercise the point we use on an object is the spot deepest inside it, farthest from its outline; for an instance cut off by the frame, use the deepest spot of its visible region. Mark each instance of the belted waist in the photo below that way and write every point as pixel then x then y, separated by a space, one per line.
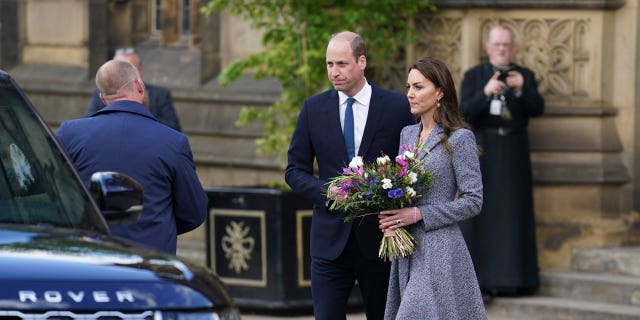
pixel 503 131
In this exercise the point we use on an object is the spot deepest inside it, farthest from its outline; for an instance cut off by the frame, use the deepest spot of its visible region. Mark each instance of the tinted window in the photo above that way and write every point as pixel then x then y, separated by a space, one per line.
pixel 36 184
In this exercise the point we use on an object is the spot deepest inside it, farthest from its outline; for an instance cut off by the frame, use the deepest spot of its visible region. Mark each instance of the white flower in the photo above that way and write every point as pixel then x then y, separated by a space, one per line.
pixel 356 162
pixel 410 192
pixel 386 184
pixel 409 154
pixel 413 177
pixel 383 160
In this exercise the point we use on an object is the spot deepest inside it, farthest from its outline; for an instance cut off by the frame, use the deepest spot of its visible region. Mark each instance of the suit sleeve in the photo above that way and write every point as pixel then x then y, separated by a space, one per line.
pixel 301 155
pixel 531 100
pixel 166 113
pixel 466 171
pixel 473 102
pixel 190 201
pixel 95 103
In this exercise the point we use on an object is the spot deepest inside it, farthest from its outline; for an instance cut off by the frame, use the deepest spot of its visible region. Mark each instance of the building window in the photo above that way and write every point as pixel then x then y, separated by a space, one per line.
pixel 184 16
pixel 157 16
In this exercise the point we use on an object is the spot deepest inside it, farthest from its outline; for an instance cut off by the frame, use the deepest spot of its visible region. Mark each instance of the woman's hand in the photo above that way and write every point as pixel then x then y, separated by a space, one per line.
pixel 390 220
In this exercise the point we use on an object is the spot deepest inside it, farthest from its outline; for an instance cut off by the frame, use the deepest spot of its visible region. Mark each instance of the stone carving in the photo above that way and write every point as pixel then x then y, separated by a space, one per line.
pixel 440 38
pixel 237 246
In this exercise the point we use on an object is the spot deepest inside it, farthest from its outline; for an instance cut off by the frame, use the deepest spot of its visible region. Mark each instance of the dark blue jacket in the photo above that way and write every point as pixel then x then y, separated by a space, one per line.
pixel 125 137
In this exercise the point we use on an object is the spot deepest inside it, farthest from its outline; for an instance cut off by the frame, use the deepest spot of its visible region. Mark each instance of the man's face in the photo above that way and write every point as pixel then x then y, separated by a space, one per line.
pixel 344 71
pixel 131 58
pixel 500 47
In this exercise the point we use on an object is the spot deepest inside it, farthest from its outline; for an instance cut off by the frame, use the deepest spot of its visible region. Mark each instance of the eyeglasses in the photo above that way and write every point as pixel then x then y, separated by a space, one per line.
pixel 125 51
pixel 501 44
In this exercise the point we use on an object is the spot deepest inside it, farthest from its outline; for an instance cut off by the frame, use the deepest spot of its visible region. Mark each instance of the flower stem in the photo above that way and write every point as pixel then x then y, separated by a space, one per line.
pixel 400 245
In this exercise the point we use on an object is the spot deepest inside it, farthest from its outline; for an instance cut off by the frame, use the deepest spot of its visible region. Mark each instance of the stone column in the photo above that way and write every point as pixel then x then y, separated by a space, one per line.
pixel 209 29
pixel 170 21
pixel 140 20
pixel 9 34
pixel 98 47
pixel 119 25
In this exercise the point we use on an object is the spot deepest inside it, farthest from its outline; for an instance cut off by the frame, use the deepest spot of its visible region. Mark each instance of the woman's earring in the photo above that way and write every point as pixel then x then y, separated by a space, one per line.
pixel 438 103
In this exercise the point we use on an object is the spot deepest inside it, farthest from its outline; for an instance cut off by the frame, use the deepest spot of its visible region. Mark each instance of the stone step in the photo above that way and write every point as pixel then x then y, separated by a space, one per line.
pixel 598 287
pixel 554 308
pixel 617 260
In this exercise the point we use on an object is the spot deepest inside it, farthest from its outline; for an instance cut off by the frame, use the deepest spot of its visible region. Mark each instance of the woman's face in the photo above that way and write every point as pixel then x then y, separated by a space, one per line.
pixel 422 94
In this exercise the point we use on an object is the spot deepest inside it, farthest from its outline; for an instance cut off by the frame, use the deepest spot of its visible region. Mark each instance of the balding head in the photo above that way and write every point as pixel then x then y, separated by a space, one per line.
pixel 355 42
pixel 119 80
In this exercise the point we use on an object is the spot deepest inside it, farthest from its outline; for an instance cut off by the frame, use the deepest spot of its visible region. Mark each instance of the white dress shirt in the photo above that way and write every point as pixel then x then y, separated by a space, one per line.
pixel 360 112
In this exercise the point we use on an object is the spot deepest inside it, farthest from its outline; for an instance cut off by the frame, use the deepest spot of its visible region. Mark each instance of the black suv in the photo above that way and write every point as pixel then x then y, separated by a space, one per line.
pixel 57 257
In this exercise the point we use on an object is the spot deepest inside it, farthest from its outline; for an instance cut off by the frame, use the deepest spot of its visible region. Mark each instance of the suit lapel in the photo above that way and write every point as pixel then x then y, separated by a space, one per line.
pixel 373 120
pixel 334 129
pixel 434 138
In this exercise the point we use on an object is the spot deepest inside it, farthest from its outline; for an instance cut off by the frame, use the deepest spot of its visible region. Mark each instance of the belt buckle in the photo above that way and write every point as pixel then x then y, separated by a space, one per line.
pixel 503 131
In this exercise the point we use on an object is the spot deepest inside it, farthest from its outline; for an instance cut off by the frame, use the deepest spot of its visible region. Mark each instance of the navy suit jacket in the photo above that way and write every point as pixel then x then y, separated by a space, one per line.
pixel 125 137
pixel 160 103
pixel 318 136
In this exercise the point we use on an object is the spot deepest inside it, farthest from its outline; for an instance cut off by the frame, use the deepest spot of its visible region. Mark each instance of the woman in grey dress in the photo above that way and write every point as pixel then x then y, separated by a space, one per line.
pixel 438 280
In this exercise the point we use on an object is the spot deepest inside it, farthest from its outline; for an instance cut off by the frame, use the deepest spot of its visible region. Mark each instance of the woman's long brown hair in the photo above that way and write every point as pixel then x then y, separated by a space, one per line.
pixel 448 115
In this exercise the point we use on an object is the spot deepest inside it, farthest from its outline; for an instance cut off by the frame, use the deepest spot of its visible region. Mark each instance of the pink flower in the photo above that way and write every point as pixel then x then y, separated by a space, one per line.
pixel 400 160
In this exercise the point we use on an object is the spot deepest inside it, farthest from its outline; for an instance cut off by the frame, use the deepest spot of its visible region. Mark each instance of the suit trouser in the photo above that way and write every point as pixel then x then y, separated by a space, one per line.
pixel 333 280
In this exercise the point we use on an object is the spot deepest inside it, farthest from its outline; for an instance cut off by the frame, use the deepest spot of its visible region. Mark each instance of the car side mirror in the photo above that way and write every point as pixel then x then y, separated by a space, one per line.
pixel 119 197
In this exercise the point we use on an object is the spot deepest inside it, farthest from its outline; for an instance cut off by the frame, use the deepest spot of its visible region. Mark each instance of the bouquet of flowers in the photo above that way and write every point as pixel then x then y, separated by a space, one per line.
pixel 365 189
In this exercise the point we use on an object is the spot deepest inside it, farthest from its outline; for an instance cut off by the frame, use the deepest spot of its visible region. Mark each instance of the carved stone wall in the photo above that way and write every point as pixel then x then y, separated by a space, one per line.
pixel 439 36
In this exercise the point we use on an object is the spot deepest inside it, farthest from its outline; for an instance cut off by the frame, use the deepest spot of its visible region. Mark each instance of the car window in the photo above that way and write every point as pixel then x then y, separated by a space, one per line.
pixel 37 186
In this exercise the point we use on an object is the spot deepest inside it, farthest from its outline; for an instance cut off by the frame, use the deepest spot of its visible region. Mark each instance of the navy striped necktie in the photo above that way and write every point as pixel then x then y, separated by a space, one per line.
pixel 348 129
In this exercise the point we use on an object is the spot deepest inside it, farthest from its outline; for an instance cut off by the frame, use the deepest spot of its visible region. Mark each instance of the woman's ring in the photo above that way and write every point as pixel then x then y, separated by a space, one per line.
pixel 398 221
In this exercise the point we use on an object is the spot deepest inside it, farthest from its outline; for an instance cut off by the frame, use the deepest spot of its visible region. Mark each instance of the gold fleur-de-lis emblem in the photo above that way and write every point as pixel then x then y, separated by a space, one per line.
pixel 237 246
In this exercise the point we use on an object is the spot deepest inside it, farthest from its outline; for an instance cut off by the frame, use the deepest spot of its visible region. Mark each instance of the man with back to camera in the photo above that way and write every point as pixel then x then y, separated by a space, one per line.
pixel 125 137
pixel 342 253
pixel 160 101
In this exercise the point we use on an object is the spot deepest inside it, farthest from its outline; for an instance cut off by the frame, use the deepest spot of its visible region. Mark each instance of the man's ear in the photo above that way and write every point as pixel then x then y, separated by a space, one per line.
pixel 140 86
pixel 102 98
pixel 362 61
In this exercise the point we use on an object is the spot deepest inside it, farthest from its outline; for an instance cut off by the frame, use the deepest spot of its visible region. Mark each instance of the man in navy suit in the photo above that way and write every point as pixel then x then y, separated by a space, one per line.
pixel 342 253
pixel 159 98
pixel 127 138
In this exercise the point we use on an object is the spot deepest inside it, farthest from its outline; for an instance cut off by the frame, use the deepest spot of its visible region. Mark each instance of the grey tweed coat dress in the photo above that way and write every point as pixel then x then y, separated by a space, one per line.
pixel 438 280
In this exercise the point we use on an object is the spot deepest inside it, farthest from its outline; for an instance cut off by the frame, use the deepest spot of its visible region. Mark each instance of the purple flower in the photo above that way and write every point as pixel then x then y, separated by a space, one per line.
pixel 402 172
pixel 395 193
pixel 400 160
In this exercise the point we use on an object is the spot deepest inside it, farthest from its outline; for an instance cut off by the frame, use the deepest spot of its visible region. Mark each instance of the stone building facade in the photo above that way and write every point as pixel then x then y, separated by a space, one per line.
pixel 585 149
